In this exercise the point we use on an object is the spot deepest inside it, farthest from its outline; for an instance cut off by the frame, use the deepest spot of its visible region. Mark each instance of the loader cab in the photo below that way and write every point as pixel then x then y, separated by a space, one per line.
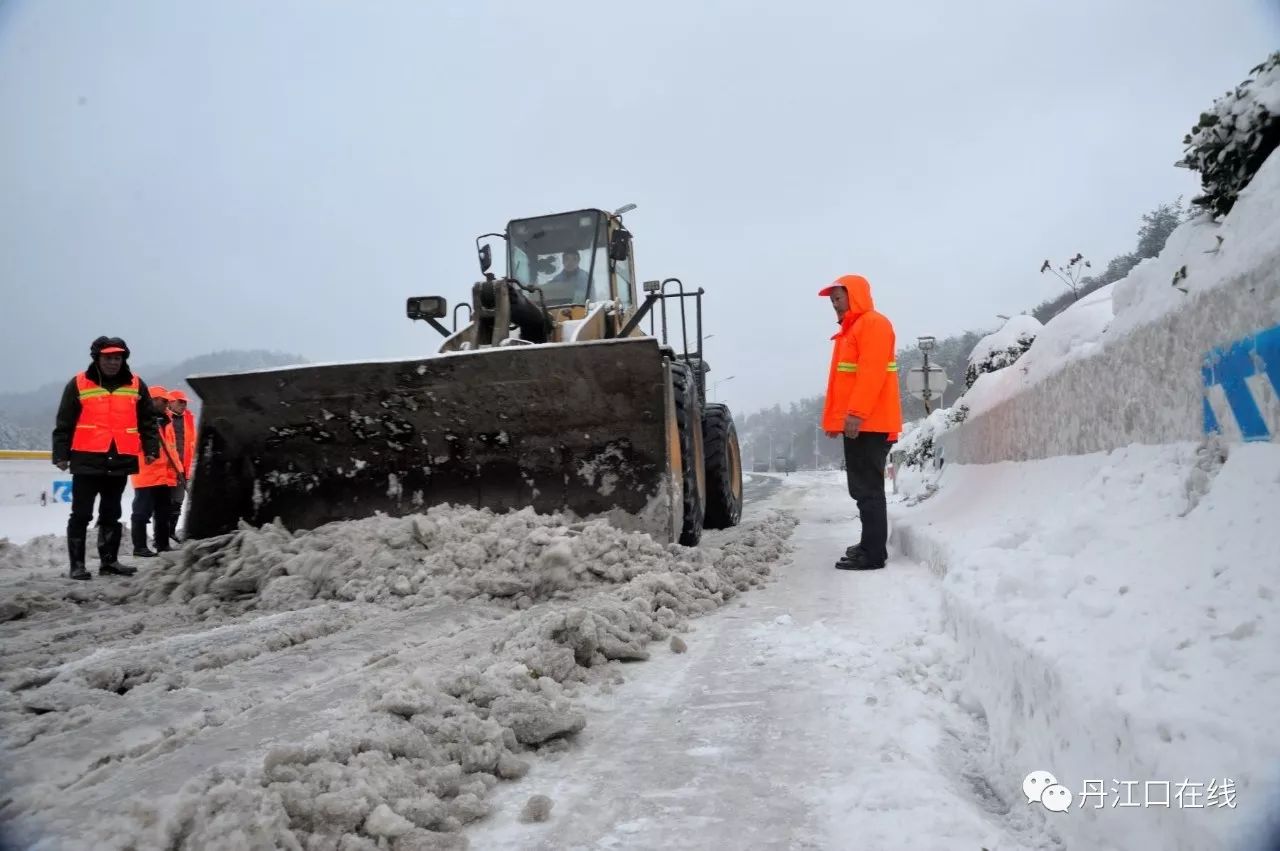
pixel 573 260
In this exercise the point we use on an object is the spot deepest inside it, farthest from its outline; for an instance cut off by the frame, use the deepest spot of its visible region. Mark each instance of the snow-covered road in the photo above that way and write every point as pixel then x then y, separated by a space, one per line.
pixel 818 712
pixel 336 687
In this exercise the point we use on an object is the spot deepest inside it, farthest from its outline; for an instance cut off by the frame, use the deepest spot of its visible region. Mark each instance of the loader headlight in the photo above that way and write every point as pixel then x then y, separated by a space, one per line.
pixel 427 307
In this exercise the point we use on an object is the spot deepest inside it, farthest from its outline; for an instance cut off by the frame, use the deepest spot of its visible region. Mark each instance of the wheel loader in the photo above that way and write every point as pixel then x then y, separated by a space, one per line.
pixel 551 395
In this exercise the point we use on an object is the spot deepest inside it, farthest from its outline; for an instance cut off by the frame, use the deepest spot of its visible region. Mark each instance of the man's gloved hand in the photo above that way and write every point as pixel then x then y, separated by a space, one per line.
pixel 852 425
pixel 151 459
pixel 62 465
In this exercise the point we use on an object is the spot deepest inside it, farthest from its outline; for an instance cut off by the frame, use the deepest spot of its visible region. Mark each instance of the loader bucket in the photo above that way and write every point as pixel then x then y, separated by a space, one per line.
pixel 585 427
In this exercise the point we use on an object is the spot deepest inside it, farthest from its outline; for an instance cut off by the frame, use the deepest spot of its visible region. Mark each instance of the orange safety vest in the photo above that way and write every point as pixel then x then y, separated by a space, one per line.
pixel 107 416
pixel 863 380
pixel 162 470
pixel 188 456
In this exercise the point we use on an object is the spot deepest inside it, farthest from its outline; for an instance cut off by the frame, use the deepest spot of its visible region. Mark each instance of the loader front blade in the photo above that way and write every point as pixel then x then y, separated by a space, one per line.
pixel 584 427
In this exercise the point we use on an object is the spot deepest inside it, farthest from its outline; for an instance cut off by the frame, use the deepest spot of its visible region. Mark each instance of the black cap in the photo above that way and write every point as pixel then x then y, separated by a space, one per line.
pixel 108 345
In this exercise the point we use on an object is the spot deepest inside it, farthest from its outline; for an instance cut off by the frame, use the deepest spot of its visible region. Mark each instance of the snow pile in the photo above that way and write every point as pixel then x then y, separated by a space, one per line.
pixel 1002 347
pixel 1073 334
pixel 1119 611
pixel 1202 255
pixel 515 559
pixel 1123 365
pixel 398 753
pixel 918 441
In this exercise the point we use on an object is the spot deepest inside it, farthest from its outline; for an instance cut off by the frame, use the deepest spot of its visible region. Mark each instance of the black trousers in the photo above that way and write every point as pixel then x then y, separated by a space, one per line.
pixel 176 497
pixel 149 503
pixel 87 489
pixel 864 460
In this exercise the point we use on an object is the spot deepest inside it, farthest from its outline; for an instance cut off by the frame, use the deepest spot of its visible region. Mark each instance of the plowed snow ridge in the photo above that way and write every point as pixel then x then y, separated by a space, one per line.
pixel 362 685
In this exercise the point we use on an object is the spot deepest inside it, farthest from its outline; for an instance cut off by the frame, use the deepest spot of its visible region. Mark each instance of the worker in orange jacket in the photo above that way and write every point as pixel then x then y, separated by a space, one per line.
pixel 184 432
pixel 863 407
pixel 154 482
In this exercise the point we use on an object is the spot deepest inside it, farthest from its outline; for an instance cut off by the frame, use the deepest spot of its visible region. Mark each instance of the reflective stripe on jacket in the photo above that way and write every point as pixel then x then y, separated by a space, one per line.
pixel 107 416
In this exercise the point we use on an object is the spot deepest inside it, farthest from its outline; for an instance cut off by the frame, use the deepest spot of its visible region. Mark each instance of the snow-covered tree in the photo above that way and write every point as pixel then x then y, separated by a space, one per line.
pixel 1154 233
pixel 1232 140
pixel 1000 349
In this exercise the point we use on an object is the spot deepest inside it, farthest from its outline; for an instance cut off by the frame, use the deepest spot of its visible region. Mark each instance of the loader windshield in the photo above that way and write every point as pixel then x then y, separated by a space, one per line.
pixel 564 255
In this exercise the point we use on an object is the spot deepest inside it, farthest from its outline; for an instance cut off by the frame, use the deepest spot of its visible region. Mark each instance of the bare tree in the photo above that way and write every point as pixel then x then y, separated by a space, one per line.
pixel 1070 274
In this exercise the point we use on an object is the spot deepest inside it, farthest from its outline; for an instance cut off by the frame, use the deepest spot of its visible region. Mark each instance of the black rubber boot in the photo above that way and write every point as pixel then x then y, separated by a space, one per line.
pixel 109 552
pixel 139 534
pixel 75 552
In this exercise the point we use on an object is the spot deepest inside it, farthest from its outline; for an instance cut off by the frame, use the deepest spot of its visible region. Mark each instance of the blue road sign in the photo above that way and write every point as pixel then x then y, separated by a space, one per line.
pixel 1242 387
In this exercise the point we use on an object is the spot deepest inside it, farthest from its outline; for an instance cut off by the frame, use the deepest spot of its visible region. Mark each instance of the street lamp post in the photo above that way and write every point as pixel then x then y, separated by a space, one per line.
pixel 927 344
pixel 716 384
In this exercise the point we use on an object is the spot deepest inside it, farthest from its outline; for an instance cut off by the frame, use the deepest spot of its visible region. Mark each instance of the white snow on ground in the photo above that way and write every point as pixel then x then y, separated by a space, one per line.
pixel 1117 611
pixel 364 682
pixel 22 517
pixel 22 480
pixel 824 711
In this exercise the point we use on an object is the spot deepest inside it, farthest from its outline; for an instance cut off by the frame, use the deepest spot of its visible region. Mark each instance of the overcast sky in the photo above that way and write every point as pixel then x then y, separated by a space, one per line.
pixel 201 176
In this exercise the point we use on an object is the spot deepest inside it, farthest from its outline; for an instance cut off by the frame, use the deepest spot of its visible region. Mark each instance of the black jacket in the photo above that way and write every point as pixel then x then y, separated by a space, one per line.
pixel 111 462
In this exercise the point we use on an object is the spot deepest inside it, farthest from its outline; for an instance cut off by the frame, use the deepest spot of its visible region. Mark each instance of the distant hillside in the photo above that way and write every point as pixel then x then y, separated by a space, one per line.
pixel 14 437
pixel 26 419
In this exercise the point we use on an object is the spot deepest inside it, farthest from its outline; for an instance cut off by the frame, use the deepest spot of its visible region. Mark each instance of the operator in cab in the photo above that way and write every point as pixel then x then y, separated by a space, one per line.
pixel 569 285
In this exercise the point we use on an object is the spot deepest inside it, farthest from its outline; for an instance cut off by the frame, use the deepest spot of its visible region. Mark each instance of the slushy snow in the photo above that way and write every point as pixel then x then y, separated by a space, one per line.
pixel 362 683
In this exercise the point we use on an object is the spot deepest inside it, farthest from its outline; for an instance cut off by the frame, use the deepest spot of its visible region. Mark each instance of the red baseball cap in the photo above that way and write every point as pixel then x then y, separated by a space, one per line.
pixel 842 282
pixel 113 350
pixel 177 396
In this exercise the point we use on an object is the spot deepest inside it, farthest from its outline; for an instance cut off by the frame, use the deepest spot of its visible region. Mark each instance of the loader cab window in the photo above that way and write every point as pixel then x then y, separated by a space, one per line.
pixel 625 286
pixel 565 256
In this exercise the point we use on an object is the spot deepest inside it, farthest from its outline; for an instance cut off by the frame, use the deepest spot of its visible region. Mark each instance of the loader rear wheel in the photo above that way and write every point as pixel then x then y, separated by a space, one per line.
pixel 724 468
pixel 689 424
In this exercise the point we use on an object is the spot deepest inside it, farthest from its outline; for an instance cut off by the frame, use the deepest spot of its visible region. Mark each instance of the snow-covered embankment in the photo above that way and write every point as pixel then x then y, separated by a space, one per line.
pixel 1109 569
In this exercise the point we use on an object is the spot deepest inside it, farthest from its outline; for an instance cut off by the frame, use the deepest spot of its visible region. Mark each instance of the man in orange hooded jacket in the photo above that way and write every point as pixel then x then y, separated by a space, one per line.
pixel 863 406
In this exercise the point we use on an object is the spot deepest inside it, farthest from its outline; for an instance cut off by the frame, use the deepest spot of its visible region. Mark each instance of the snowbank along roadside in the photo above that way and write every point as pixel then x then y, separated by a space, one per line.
pixel 1118 614
pixel 1108 555
pixel 1125 364
pixel 362 685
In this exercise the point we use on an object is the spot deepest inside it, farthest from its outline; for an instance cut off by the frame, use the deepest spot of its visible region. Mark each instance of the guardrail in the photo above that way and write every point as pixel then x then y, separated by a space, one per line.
pixel 25 455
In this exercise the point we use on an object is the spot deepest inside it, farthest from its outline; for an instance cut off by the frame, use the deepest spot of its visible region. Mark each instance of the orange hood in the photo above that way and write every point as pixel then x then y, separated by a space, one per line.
pixel 859 290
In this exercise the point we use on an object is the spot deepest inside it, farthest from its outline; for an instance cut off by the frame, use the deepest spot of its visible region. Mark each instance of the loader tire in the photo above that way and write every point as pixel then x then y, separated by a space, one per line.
pixel 724 468
pixel 689 424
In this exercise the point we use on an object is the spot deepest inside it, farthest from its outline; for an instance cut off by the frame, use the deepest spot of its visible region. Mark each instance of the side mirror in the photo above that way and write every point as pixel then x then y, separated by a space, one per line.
pixel 427 307
pixel 486 258
pixel 620 246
